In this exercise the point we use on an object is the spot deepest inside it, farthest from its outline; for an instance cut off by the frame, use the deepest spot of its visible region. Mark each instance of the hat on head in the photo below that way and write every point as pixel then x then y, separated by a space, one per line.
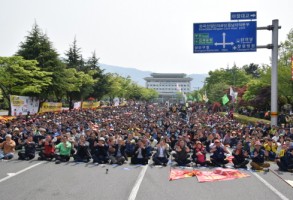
pixel 8 135
pixel 56 134
pixel 42 129
pixel 102 139
pixel 16 129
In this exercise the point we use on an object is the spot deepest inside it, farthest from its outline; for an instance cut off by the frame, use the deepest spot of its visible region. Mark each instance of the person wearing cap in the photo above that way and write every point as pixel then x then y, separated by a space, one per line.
pixel 285 163
pixel 48 152
pixel 101 154
pixel 8 147
pixel 64 148
pixel 218 157
pixel 29 149
pixel 16 137
pixel 258 157
pixel 240 159
pixel 199 154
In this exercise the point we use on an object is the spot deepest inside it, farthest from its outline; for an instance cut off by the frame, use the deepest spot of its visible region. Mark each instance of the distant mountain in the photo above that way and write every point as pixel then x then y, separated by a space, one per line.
pixel 138 75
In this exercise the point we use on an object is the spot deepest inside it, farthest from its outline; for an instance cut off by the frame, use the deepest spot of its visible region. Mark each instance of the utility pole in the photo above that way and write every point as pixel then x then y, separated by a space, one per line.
pixel 274 77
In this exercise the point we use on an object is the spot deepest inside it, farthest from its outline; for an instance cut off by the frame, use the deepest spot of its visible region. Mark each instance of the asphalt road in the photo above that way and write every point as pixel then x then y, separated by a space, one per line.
pixel 46 180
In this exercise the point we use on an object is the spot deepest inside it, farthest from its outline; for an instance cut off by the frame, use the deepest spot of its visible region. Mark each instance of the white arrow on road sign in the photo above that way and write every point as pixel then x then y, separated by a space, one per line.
pixel 224 43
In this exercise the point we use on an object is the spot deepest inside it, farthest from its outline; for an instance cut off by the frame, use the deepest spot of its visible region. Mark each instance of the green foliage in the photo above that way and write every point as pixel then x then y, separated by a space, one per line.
pixel 37 46
pixel 252 69
pixel 73 57
pixel 286 50
pixel 22 77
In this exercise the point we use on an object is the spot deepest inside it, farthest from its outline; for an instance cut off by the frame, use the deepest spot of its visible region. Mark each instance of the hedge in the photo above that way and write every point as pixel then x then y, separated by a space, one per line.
pixel 246 119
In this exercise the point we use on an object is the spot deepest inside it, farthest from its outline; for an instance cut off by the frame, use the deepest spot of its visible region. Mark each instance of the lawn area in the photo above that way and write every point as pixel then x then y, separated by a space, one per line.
pixel 246 119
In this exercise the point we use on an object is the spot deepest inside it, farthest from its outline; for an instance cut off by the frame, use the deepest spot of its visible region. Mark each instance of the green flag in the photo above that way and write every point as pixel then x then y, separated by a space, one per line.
pixel 225 99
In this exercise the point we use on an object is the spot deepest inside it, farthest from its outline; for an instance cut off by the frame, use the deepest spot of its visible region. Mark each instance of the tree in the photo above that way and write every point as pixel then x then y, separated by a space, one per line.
pixel 37 46
pixel 74 58
pixel 220 80
pixel 22 77
pixel 286 50
pixel 252 69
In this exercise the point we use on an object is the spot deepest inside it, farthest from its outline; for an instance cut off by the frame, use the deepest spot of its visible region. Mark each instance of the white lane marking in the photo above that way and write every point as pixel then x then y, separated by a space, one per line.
pixel 10 175
pixel 135 189
pixel 270 186
pixel 289 182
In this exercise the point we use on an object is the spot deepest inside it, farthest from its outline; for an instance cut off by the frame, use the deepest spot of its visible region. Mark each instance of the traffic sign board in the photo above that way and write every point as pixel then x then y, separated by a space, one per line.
pixel 222 37
pixel 243 15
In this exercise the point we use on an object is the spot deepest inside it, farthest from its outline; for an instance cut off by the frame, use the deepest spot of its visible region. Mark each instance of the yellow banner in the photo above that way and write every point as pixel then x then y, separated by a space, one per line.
pixel 51 107
pixel 90 105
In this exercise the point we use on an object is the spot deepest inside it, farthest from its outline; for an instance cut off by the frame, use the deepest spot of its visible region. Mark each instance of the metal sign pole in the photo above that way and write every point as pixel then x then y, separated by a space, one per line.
pixel 274 77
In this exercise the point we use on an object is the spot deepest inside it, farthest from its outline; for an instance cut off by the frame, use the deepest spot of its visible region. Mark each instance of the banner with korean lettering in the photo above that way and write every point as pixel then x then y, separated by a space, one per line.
pixel 90 105
pixel 77 105
pixel 22 105
pixel 51 107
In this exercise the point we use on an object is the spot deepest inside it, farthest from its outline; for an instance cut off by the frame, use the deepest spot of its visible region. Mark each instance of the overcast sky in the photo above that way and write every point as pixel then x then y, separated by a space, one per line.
pixel 154 35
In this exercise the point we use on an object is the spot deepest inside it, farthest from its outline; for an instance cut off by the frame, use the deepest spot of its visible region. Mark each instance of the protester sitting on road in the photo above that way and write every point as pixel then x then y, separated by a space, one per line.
pixel 72 141
pixel 129 145
pixel 140 154
pixel 8 147
pixel 227 138
pixel 82 150
pixel 182 154
pixel 29 149
pixel 16 137
pixel 64 148
pixel 199 154
pixel 48 152
pixel 101 155
pixel 285 163
pixel 240 159
pixel 218 157
pixel 271 147
pixel 161 155
pixel 119 156
pixel 39 135
pixel 258 157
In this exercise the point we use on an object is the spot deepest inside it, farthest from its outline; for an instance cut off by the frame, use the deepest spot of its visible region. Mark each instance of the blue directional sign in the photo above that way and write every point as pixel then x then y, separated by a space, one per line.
pixel 220 37
pixel 243 15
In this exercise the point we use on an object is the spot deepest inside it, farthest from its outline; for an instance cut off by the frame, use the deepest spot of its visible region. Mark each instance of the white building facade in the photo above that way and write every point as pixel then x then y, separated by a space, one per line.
pixel 169 84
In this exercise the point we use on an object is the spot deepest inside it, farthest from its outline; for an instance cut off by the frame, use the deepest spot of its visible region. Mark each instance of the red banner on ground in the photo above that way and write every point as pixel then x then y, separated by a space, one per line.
pixel 178 174
pixel 219 174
